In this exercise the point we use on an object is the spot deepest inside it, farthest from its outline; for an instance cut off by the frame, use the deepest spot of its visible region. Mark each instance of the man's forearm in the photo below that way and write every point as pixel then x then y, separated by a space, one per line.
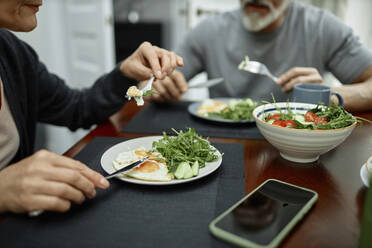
pixel 357 97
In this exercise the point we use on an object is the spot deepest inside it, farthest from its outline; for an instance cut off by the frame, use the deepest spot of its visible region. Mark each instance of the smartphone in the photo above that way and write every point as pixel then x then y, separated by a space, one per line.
pixel 265 216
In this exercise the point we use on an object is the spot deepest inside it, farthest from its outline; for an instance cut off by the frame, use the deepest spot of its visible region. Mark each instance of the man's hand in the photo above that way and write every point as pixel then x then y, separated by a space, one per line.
pixel 170 88
pixel 150 60
pixel 47 181
pixel 299 75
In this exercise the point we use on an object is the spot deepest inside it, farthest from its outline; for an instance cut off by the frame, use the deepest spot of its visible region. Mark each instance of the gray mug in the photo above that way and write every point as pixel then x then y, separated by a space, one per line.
pixel 314 93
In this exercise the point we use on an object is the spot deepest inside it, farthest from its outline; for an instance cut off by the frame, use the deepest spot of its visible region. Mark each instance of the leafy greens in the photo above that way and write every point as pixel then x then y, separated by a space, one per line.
pixel 237 110
pixel 149 92
pixel 185 147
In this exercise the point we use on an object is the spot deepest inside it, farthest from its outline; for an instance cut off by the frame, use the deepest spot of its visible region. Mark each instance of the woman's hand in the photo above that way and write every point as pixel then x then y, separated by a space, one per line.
pixel 170 88
pixel 47 181
pixel 150 60
pixel 299 75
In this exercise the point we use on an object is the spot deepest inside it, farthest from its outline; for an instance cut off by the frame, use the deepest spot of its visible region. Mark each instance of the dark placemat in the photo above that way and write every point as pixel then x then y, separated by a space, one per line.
pixel 155 118
pixel 131 215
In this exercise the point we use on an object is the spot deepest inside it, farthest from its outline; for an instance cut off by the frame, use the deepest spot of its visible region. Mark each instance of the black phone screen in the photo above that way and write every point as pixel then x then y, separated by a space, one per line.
pixel 262 216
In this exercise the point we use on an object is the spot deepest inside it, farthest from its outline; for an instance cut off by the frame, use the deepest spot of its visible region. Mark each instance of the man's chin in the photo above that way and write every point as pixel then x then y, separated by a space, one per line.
pixel 24 26
pixel 255 25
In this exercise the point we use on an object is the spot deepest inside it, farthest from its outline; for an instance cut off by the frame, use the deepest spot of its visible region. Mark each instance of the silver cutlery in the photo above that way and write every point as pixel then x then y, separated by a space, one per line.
pixel 207 84
pixel 256 67
pixel 148 85
pixel 127 167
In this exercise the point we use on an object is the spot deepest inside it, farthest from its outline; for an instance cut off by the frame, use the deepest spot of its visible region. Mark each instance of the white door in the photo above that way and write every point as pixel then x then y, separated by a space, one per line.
pixel 90 40
pixel 75 39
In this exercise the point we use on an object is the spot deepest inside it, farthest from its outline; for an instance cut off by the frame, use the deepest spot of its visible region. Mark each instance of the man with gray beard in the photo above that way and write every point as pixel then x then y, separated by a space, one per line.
pixel 297 42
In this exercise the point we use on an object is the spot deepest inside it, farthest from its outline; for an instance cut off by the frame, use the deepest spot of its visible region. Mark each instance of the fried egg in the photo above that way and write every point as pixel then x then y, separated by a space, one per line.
pixel 210 105
pixel 126 158
pixel 150 170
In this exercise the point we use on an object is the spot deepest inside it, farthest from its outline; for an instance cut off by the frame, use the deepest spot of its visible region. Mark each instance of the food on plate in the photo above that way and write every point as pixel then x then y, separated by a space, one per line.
pixel 137 94
pixel 185 151
pixel 184 170
pixel 172 157
pixel 210 106
pixel 154 169
pixel 235 109
pixel 320 118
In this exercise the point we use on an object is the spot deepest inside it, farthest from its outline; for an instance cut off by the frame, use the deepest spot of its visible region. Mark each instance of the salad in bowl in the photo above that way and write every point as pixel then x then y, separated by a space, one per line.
pixel 301 131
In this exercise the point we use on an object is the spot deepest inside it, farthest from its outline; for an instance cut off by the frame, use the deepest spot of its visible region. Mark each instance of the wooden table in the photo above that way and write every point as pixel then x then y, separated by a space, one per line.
pixel 335 219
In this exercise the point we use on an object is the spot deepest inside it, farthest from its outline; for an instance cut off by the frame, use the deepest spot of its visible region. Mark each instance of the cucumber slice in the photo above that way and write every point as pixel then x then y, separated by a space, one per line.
pixel 181 169
pixel 188 172
pixel 195 168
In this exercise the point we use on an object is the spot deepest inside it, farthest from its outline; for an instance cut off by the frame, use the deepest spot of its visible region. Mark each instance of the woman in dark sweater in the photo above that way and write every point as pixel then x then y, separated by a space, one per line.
pixel 29 93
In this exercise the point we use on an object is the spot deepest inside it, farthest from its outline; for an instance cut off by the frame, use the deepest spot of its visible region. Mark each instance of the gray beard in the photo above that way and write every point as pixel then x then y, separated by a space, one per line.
pixel 255 23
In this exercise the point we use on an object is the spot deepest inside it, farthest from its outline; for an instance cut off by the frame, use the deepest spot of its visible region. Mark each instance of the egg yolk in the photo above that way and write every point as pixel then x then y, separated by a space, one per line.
pixel 148 166
pixel 141 153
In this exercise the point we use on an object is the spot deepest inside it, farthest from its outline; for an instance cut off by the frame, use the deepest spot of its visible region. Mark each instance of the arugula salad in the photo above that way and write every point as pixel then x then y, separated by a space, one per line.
pixel 185 153
pixel 320 118
pixel 236 110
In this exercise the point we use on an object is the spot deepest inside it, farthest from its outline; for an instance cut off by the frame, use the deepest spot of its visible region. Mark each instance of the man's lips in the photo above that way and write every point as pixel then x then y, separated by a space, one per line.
pixel 33 7
pixel 257 8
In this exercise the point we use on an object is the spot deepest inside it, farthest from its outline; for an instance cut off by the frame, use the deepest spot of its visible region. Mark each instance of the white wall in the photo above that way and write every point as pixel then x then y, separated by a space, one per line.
pixel 48 39
pixel 358 16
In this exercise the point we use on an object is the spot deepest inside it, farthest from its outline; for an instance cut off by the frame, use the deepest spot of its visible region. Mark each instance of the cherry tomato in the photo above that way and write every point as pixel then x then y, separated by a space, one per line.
pixel 290 123
pixel 321 120
pixel 279 123
pixel 274 117
pixel 284 123
pixel 311 117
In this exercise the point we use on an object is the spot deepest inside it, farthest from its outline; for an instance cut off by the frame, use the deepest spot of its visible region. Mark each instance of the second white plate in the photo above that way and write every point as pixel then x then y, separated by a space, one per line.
pixel 193 110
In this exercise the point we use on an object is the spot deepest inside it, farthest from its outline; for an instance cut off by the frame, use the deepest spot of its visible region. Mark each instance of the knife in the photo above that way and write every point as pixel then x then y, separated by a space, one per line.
pixel 127 167
pixel 207 84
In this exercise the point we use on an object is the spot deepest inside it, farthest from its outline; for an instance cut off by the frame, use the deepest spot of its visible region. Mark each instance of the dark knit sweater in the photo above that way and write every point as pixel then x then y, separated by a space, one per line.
pixel 36 95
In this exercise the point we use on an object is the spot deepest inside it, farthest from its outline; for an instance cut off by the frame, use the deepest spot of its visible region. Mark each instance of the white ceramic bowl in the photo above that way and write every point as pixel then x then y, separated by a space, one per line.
pixel 298 145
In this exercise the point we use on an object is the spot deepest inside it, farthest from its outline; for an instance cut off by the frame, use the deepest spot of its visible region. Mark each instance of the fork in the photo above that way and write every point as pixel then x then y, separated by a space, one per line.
pixel 148 85
pixel 257 68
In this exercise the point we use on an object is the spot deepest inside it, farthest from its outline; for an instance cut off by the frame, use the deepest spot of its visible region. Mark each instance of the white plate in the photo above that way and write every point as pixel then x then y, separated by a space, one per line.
pixel 364 175
pixel 193 110
pixel 146 142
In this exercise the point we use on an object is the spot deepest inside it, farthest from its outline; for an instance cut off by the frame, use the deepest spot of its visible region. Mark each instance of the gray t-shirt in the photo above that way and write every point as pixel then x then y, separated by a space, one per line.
pixel 308 37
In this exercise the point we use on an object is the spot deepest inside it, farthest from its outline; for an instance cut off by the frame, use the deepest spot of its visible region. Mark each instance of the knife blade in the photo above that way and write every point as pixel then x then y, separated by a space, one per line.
pixel 207 84
pixel 127 167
